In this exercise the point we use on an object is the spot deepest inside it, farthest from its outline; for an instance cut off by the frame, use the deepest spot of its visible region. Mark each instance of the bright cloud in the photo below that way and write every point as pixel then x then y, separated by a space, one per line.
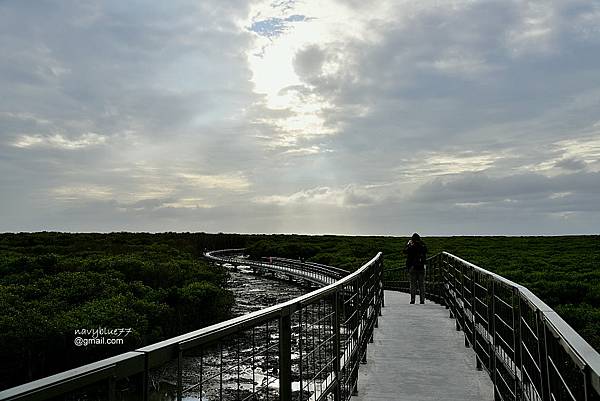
pixel 288 60
pixel 78 192
pixel 349 196
pixel 60 142
pixel 222 181
pixel 535 29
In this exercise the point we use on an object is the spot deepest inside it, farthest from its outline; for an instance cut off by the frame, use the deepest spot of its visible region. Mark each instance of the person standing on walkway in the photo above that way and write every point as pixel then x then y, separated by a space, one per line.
pixel 416 254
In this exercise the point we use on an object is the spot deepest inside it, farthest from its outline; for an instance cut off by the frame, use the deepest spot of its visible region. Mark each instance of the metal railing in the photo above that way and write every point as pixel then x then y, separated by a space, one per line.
pixel 308 348
pixel 314 273
pixel 529 351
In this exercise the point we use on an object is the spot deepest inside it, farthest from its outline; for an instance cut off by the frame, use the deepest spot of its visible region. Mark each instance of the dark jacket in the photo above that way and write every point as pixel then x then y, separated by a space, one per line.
pixel 416 254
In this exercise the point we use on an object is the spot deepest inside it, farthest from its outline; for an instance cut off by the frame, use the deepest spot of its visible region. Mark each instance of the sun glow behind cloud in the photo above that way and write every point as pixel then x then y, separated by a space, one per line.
pixel 286 56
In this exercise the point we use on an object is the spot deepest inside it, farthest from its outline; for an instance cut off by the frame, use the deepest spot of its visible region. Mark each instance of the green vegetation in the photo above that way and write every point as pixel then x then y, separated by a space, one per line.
pixel 52 284
pixel 563 271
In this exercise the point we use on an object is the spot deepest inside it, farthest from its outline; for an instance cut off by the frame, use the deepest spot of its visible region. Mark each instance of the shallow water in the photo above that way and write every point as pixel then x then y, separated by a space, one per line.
pixel 252 292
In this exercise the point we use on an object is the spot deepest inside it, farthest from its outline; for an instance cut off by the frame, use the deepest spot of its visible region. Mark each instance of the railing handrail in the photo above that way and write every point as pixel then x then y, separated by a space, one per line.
pixel 129 362
pixel 458 297
pixel 164 350
pixel 258 315
pixel 321 274
pixel 575 343
pixel 480 269
pixel 333 269
pixel 144 358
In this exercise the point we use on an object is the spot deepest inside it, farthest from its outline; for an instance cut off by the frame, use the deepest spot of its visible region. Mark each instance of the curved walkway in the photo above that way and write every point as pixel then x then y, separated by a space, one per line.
pixel 417 354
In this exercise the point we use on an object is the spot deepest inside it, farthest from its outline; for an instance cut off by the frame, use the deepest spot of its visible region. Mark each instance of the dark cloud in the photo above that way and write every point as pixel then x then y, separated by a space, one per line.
pixel 576 192
pixel 308 62
pixel 571 164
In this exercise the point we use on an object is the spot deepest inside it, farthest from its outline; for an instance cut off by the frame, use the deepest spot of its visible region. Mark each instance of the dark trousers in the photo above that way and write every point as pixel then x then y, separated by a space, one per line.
pixel 417 278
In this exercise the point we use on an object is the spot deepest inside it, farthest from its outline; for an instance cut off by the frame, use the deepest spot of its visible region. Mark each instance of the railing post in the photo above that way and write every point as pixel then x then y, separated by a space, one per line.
pixel 452 287
pixel 462 316
pixel 587 383
pixel 445 281
pixel 543 356
pixel 356 337
pixel 145 380
pixel 460 311
pixel 336 346
pixel 111 387
pixel 437 280
pixel 285 356
pixel 179 374
pixel 300 346
pixel 435 269
pixel 363 317
pixel 473 311
pixel 382 292
pixel 517 352
pixel 493 342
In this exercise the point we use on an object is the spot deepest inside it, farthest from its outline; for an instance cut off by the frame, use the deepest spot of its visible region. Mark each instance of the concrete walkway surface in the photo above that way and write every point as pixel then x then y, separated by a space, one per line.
pixel 417 355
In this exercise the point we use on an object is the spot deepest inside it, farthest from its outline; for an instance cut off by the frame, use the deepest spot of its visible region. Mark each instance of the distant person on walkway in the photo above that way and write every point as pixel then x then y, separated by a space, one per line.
pixel 416 254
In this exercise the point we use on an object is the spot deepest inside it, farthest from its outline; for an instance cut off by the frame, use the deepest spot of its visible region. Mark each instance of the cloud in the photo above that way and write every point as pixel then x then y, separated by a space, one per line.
pixel 586 148
pixel 308 62
pixel 461 64
pixel 534 30
pixel 69 193
pixel 575 192
pixel 59 141
pixel 224 182
pixel 189 203
pixel 348 197
pixel 571 164
pixel 349 117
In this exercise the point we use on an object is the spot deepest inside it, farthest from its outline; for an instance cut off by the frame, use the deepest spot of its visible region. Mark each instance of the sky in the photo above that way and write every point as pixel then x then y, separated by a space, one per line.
pixel 455 117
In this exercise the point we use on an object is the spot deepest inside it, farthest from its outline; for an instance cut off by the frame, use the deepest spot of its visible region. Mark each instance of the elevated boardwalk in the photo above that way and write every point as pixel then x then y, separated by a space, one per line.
pixel 311 347
pixel 417 354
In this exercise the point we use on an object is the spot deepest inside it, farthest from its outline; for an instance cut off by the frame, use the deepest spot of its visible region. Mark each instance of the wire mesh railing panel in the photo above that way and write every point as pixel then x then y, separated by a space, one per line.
pixel 317 357
pixel 348 301
pixel 241 366
pixel 308 348
pixel 396 279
